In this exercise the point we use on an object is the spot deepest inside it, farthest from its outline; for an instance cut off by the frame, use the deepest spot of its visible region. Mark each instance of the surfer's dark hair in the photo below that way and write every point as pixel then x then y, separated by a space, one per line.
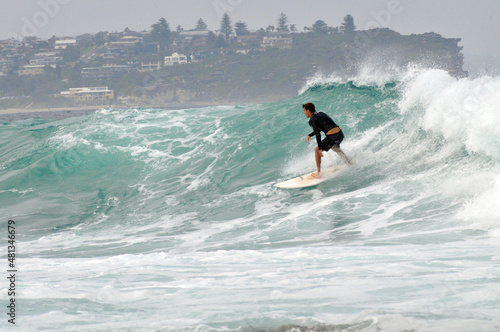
pixel 309 107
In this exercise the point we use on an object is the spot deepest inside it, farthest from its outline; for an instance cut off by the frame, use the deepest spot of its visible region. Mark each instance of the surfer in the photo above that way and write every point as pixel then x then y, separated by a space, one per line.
pixel 320 122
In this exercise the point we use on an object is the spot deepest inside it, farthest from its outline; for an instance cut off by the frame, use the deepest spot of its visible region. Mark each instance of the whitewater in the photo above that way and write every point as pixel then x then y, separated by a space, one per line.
pixel 168 220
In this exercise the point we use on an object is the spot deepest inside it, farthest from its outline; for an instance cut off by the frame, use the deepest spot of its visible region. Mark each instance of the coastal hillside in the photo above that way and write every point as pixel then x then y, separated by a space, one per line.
pixel 265 66
pixel 280 73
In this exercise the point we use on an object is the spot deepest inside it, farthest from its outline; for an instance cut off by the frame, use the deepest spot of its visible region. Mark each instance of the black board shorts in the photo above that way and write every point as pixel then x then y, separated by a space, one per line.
pixel 331 141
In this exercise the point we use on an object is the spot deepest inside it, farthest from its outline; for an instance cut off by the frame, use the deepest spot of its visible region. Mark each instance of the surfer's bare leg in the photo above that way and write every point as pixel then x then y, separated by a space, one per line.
pixel 342 155
pixel 318 155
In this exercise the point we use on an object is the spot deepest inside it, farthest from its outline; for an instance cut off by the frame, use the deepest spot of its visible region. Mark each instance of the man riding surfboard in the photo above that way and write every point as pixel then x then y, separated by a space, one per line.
pixel 320 122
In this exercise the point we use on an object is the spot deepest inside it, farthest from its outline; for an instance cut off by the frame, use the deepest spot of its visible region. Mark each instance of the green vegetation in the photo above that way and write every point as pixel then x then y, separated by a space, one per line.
pixel 240 28
pixel 226 27
pixel 160 32
pixel 348 25
pixel 282 23
pixel 201 25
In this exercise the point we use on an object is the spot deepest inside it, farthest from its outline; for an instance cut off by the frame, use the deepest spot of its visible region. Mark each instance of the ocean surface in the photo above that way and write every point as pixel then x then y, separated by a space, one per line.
pixel 168 220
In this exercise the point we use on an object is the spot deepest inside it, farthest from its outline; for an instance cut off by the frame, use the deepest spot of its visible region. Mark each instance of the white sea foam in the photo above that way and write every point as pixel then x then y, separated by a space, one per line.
pixel 320 79
pixel 465 111
pixel 484 209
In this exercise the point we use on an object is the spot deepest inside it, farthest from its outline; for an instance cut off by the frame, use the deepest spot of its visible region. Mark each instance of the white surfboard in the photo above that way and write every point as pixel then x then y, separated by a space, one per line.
pixel 308 180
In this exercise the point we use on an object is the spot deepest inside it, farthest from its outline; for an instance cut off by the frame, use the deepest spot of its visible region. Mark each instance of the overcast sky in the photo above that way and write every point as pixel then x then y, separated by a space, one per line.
pixel 476 22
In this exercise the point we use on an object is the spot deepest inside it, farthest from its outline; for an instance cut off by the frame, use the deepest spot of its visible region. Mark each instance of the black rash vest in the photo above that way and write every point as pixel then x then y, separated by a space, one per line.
pixel 321 122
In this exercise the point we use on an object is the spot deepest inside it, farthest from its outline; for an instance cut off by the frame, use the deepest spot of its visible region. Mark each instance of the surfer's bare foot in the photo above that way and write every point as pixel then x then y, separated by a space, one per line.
pixel 316 175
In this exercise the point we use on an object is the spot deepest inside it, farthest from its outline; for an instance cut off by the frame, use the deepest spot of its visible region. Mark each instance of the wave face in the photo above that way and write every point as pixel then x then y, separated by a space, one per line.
pixel 148 219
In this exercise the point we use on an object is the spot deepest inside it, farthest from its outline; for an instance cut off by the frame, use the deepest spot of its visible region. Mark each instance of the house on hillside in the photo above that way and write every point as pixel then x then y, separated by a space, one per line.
pixel 277 41
pixel 175 59
pixel 194 39
pixel 198 56
pixel 150 65
pixel 46 59
pixel 31 70
pixel 126 46
pixel 247 39
pixel 64 43
pixel 104 72
pixel 89 94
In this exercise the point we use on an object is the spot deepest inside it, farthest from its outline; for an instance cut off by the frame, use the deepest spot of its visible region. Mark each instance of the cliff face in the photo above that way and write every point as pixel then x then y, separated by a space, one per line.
pixel 386 49
pixel 277 74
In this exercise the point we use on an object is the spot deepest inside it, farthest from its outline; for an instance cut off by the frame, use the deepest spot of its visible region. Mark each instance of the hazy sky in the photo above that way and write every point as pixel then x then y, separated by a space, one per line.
pixel 476 22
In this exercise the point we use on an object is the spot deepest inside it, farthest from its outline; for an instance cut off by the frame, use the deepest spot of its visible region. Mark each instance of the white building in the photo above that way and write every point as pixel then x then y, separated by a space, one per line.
pixel 31 70
pixel 63 44
pixel 277 41
pixel 86 94
pixel 175 59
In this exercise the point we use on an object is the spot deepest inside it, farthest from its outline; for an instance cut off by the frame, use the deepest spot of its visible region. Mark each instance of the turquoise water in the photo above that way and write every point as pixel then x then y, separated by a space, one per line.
pixel 168 220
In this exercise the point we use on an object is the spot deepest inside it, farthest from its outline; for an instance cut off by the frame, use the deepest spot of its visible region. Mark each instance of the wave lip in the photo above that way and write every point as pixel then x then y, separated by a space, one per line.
pixel 368 74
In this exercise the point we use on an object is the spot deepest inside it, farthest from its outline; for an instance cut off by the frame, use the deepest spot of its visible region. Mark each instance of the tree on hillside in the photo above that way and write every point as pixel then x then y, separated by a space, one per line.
pixel 320 27
pixel 261 33
pixel 240 28
pixel 348 24
pixel 100 38
pixel 226 27
pixel 211 40
pixel 52 40
pixel 293 28
pixel 220 42
pixel 201 25
pixel 160 32
pixel 282 23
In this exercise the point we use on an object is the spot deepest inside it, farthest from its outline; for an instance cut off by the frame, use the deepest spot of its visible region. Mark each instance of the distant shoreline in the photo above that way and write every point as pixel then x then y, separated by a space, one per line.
pixel 10 115
pixel 40 110
pixel 17 114
pixel 89 109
